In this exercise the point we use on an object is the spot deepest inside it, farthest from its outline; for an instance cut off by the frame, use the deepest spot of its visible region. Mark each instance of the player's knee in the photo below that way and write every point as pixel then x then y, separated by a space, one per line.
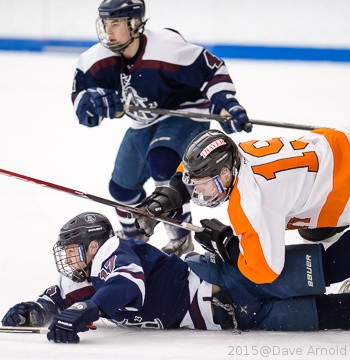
pixel 126 196
pixel 162 163
pixel 320 234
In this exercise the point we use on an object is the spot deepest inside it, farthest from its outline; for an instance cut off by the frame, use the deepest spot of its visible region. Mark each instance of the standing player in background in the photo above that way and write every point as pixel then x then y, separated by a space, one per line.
pixel 271 185
pixel 152 69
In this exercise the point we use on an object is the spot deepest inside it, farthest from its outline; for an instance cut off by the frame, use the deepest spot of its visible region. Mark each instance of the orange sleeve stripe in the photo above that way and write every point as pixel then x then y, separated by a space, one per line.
pixel 252 264
pixel 339 196
pixel 180 168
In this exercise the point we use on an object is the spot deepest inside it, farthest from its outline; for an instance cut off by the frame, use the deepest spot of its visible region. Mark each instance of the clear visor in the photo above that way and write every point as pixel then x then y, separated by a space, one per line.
pixel 208 192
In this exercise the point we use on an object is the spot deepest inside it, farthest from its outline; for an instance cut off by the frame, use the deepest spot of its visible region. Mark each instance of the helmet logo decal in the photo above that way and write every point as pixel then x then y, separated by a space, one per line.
pixel 95 229
pixel 90 218
pixel 212 146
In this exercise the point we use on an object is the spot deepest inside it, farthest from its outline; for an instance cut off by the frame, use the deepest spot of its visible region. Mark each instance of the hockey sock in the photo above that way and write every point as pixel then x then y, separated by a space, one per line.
pixel 162 163
pixel 177 233
pixel 336 260
pixel 333 311
pixel 128 197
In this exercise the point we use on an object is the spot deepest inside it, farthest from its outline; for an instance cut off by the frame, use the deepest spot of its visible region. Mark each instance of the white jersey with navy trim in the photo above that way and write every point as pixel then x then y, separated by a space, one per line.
pixel 167 72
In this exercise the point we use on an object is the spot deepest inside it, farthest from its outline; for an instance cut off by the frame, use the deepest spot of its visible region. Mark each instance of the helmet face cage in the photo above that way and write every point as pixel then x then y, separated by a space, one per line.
pixel 120 9
pixel 69 261
pixel 74 240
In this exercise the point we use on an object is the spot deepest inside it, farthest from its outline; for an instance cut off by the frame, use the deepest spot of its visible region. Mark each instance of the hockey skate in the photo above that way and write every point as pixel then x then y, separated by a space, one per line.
pixel 345 288
pixel 180 246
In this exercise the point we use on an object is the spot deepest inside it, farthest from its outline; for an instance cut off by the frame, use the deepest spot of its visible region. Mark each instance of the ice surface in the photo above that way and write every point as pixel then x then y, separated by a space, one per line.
pixel 41 138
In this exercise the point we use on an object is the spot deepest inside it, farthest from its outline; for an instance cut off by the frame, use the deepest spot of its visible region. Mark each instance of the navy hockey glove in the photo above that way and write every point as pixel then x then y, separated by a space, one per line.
pixel 69 322
pixel 219 239
pixel 106 103
pixel 86 112
pixel 165 201
pixel 227 101
pixel 29 313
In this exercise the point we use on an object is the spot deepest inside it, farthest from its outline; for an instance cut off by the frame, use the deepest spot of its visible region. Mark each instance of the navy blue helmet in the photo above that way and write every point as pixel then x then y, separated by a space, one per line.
pixel 78 233
pixel 113 9
pixel 133 11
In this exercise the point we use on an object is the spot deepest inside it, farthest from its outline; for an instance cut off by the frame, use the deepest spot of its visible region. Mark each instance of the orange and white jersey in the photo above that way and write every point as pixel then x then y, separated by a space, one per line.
pixel 284 184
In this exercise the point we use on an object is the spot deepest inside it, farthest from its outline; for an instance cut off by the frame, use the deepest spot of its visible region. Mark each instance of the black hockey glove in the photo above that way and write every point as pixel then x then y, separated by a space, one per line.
pixel 227 101
pixel 77 318
pixel 29 313
pixel 219 239
pixel 165 201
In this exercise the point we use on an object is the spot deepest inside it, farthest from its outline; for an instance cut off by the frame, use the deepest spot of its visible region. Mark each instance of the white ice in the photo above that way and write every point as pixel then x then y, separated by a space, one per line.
pixel 41 138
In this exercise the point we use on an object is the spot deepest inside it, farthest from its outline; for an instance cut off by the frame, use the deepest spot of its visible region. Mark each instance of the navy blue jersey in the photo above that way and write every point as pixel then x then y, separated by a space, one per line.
pixel 135 284
pixel 138 284
pixel 167 72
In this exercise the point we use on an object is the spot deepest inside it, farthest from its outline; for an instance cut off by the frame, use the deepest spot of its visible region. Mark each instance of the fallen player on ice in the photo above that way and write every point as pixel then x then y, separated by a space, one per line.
pixel 133 283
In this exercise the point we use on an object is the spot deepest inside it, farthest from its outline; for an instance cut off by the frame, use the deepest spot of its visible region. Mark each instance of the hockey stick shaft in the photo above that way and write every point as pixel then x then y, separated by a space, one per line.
pixel 219 118
pixel 119 206
pixel 23 330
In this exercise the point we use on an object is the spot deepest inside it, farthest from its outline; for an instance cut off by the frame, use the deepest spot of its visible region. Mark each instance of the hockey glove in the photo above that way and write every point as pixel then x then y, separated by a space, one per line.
pixel 29 313
pixel 106 103
pixel 86 111
pixel 219 239
pixel 227 101
pixel 165 201
pixel 69 322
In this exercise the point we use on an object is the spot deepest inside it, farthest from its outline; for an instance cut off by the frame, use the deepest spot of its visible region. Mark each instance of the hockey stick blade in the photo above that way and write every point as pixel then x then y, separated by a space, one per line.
pixel 119 206
pixel 23 330
pixel 219 118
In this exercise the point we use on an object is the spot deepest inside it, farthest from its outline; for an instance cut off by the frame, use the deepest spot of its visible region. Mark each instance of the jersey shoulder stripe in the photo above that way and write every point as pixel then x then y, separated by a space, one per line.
pixel 94 55
pixel 168 46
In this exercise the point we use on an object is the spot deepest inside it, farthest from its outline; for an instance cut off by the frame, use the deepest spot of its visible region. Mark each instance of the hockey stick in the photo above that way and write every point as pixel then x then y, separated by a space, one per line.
pixel 23 329
pixel 219 118
pixel 119 206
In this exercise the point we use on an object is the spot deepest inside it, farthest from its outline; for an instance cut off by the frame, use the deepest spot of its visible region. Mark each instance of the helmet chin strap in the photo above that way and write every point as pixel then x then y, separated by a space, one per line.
pixel 234 178
pixel 80 275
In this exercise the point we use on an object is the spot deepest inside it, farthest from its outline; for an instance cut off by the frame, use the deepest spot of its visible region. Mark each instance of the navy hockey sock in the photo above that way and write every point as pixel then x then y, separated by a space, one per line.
pixel 333 311
pixel 336 260
pixel 162 163
pixel 128 197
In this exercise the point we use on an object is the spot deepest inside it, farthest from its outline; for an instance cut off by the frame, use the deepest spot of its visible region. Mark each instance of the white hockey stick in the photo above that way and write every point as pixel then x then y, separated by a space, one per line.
pixel 23 330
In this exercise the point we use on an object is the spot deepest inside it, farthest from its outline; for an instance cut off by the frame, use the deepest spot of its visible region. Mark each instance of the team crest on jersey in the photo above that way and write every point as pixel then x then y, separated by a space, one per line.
pixel 130 96
pixel 137 322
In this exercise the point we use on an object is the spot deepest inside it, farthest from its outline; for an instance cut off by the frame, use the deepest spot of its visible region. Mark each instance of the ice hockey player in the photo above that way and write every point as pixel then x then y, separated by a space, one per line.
pixel 152 69
pixel 271 186
pixel 134 284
